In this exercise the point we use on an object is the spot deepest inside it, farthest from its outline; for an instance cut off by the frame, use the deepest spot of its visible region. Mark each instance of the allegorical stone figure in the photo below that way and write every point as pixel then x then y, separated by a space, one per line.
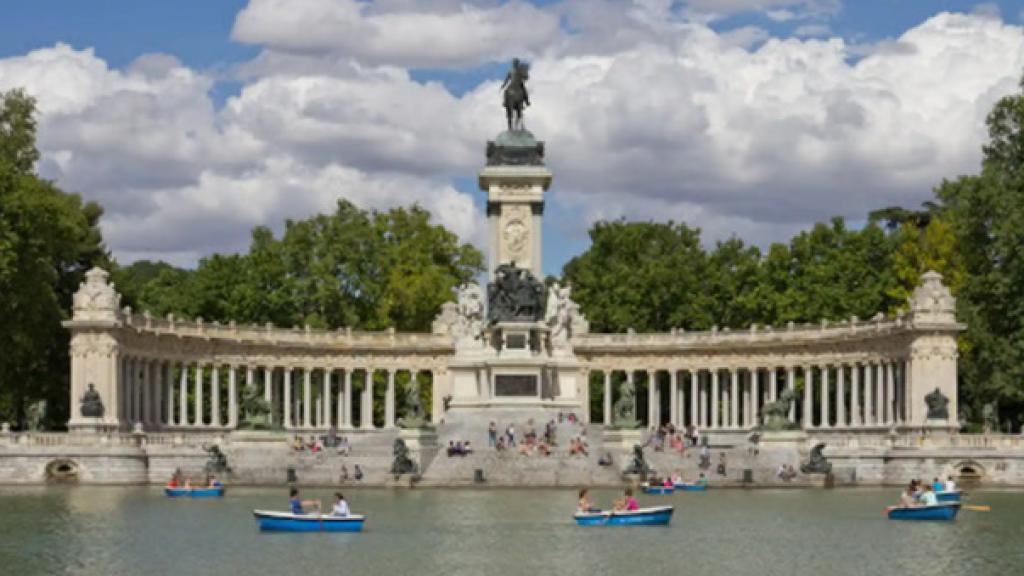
pixel 92 404
pixel 515 95
pixel 401 463
pixel 938 405
pixel 816 462
pixel 625 406
pixel 775 415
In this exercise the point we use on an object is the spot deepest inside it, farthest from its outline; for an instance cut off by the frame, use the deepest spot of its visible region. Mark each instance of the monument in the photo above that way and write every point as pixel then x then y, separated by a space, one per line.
pixel 516 357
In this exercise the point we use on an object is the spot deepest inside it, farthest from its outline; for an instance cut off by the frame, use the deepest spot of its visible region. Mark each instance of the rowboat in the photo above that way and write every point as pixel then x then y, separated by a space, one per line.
pixel 655 516
pixel 940 511
pixel 210 492
pixel 687 487
pixel 949 496
pixel 647 489
pixel 287 522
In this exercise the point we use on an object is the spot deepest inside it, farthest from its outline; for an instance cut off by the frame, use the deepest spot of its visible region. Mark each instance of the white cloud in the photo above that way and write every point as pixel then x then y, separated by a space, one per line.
pixel 778 10
pixel 646 115
pixel 987 9
pixel 428 35
pixel 812 31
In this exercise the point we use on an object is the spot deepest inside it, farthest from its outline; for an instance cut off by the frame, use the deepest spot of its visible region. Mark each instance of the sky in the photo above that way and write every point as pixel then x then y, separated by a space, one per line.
pixel 192 121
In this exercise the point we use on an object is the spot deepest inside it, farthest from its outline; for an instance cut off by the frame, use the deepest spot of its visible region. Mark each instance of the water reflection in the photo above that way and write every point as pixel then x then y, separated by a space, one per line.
pixel 453 532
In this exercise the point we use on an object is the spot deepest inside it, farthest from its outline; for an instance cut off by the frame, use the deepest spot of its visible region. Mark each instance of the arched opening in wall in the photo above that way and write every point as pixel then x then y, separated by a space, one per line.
pixel 62 470
pixel 969 474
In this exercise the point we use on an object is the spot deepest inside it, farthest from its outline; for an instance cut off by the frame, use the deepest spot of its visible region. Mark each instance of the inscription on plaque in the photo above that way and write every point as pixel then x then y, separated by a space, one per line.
pixel 515 385
pixel 515 341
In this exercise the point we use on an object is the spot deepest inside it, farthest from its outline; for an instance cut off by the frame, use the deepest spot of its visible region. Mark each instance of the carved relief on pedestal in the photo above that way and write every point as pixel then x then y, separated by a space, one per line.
pixel 516 235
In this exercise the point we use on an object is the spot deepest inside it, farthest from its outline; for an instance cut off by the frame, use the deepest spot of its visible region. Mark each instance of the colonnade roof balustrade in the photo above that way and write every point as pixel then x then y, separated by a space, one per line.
pixel 826 333
pixel 341 340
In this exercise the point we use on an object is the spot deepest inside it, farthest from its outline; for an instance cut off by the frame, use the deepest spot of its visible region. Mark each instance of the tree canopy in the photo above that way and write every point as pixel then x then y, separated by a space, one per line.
pixel 364 269
pixel 48 239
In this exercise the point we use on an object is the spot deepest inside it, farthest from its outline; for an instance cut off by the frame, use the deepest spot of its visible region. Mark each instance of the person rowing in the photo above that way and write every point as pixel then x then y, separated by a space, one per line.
pixel 584 502
pixel 298 505
pixel 340 505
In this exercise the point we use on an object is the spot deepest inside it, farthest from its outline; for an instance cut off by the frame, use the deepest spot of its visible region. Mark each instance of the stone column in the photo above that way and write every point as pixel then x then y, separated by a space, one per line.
pixel 652 398
pixel 673 391
pixel 307 397
pixel 855 417
pixel 171 396
pixel 879 394
pixel 715 422
pixel 607 397
pixel 286 401
pixel 348 397
pixel 773 384
pixel 137 367
pixel 869 393
pixel 199 419
pixel 367 417
pixel 807 421
pixel 268 390
pixel 389 401
pixel 891 395
pixel 632 386
pixel 825 370
pixel 694 408
pixel 841 395
pixel 325 394
pixel 215 396
pixel 734 399
pixel 702 389
pixel 233 397
pixel 791 386
pixel 183 396
pixel 755 398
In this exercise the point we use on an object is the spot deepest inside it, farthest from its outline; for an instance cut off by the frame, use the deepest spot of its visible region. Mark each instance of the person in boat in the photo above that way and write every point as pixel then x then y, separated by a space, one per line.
pixel 213 482
pixel 937 485
pixel 668 483
pixel 188 482
pixel 631 503
pixel 950 484
pixel 677 478
pixel 928 497
pixel 584 502
pixel 908 498
pixel 702 480
pixel 340 505
pixel 173 482
pixel 297 505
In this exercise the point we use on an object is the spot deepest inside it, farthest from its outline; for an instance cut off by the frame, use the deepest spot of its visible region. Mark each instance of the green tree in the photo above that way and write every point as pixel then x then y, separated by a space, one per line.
pixel 642 275
pixel 365 269
pixel 987 214
pixel 48 238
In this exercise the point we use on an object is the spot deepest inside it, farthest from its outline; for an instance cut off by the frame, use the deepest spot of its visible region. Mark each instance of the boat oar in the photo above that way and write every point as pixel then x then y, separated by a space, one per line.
pixel 976 507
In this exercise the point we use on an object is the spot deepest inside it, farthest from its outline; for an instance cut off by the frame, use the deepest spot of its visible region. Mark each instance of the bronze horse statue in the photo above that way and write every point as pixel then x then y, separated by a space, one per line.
pixel 516 96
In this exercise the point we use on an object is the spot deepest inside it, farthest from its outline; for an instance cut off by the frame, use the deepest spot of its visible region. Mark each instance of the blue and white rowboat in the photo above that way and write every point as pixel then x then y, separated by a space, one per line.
pixel 647 489
pixel 685 487
pixel 212 492
pixel 940 511
pixel 949 496
pixel 655 516
pixel 270 521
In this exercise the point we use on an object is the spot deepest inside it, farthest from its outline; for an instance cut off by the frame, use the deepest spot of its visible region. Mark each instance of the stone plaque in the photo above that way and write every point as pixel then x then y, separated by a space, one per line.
pixel 515 385
pixel 515 341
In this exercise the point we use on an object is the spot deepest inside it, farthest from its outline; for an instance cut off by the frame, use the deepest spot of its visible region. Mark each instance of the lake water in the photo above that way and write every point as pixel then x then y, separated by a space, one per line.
pixel 112 531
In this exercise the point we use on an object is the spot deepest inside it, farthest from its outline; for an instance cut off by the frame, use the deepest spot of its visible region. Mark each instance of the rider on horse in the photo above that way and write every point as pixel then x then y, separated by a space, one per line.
pixel 516 97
